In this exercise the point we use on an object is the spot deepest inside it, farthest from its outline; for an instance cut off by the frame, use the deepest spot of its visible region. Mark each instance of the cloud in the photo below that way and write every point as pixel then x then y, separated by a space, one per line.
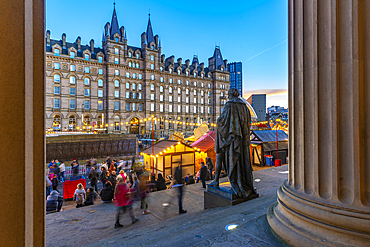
pixel 268 92
pixel 273 96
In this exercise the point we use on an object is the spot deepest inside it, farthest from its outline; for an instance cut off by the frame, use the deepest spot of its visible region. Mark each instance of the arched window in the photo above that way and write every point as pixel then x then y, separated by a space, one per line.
pixel 152 87
pixel 72 80
pixel 137 56
pixel 187 73
pixel 178 72
pixel 56 122
pixel 195 92
pixel 222 69
pixel 56 78
pixel 170 89
pixel 139 87
pixel 161 68
pixel 127 85
pixel 87 120
pixel 116 83
pixel 179 90
pixel 72 123
pixel 133 86
pixel 137 65
pixel 161 89
pixel 133 65
pixel 170 70
pixel 100 83
pixel 195 74
pixel 129 64
pixel 187 91
pixel 87 81
pixel 130 54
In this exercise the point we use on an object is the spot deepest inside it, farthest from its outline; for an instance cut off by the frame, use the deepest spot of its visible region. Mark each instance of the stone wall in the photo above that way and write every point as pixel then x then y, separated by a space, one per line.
pixel 85 147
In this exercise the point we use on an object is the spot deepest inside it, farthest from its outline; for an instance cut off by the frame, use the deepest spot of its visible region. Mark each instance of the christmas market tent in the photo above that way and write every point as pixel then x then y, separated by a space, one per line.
pixel 165 155
pixel 205 144
pixel 263 142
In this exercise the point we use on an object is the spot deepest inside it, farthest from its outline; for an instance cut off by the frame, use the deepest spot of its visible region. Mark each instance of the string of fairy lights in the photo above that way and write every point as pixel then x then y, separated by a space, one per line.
pixel 85 128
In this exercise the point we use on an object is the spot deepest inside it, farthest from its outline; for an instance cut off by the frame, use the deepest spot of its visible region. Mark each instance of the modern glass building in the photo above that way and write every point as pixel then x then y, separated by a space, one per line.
pixel 236 80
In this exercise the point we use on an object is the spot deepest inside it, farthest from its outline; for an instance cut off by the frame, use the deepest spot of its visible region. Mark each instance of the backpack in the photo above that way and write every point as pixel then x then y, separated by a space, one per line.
pixel 79 198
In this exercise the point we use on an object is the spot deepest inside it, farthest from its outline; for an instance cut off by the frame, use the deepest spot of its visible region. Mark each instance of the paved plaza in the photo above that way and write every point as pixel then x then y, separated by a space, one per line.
pixel 94 225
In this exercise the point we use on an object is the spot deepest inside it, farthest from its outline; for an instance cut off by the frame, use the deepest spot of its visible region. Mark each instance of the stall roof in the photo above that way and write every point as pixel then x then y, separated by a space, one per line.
pixel 268 135
pixel 205 142
pixel 160 146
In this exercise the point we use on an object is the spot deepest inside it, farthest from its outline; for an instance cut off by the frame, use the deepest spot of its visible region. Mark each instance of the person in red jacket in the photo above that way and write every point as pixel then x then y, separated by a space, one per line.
pixel 123 200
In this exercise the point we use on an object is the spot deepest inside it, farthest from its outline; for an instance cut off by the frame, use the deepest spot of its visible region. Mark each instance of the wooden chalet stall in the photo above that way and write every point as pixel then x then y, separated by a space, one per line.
pixel 263 142
pixel 165 155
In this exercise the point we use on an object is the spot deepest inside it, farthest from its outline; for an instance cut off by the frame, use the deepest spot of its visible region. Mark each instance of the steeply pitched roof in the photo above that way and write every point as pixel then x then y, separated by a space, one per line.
pixel 69 45
pixel 206 142
pixel 114 28
pixel 218 57
pixel 149 33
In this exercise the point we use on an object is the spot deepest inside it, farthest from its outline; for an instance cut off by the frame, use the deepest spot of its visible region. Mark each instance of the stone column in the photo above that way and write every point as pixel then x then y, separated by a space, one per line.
pixel 22 128
pixel 326 199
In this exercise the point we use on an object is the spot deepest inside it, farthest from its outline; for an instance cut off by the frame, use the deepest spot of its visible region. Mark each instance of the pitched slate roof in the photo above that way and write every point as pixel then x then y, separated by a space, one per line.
pixel 149 33
pixel 218 57
pixel 69 45
pixel 114 28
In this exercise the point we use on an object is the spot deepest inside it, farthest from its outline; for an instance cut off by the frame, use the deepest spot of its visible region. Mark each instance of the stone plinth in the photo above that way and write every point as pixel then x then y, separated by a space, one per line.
pixel 222 196
pixel 326 199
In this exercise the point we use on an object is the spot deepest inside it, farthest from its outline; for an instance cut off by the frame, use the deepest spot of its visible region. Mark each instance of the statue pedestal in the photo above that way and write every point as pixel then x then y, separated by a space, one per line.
pixel 221 196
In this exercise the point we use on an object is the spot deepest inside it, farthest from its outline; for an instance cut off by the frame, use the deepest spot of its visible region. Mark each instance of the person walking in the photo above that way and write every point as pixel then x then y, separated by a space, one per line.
pixel 55 182
pixel 103 175
pixel 203 175
pixel 62 168
pixel 180 185
pixel 210 165
pixel 93 176
pixel 123 201
pixel 143 190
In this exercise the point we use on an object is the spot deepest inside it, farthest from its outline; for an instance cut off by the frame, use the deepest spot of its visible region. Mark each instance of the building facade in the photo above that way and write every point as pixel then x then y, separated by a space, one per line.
pixel 274 112
pixel 236 76
pixel 258 102
pixel 119 88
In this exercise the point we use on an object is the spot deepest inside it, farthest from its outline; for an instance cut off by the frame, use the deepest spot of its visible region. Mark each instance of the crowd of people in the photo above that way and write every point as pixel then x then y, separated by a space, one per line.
pixel 121 184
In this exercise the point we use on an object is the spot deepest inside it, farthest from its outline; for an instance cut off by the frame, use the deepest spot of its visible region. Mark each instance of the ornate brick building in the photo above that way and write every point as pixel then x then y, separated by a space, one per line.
pixel 118 87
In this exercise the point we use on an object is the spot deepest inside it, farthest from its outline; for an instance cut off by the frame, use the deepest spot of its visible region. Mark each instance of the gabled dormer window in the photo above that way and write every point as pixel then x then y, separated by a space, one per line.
pixel 178 72
pixel 129 54
pixel 72 54
pixel 100 59
pixel 137 56
pixel 187 73
pixel 161 68
pixel 56 52
pixel 87 57
pixel 170 70
pixel 116 39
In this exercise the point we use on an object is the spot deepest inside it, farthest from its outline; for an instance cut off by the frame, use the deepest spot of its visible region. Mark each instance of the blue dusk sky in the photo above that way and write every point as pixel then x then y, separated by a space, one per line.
pixel 254 32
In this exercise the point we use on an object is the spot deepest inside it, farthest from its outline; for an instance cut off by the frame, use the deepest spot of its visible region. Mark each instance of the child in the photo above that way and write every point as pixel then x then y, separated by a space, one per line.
pixel 55 182
pixel 90 196
pixel 79 195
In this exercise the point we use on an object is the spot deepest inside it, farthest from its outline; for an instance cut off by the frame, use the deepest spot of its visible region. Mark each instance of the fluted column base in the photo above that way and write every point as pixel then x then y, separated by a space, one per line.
pixel 300 221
